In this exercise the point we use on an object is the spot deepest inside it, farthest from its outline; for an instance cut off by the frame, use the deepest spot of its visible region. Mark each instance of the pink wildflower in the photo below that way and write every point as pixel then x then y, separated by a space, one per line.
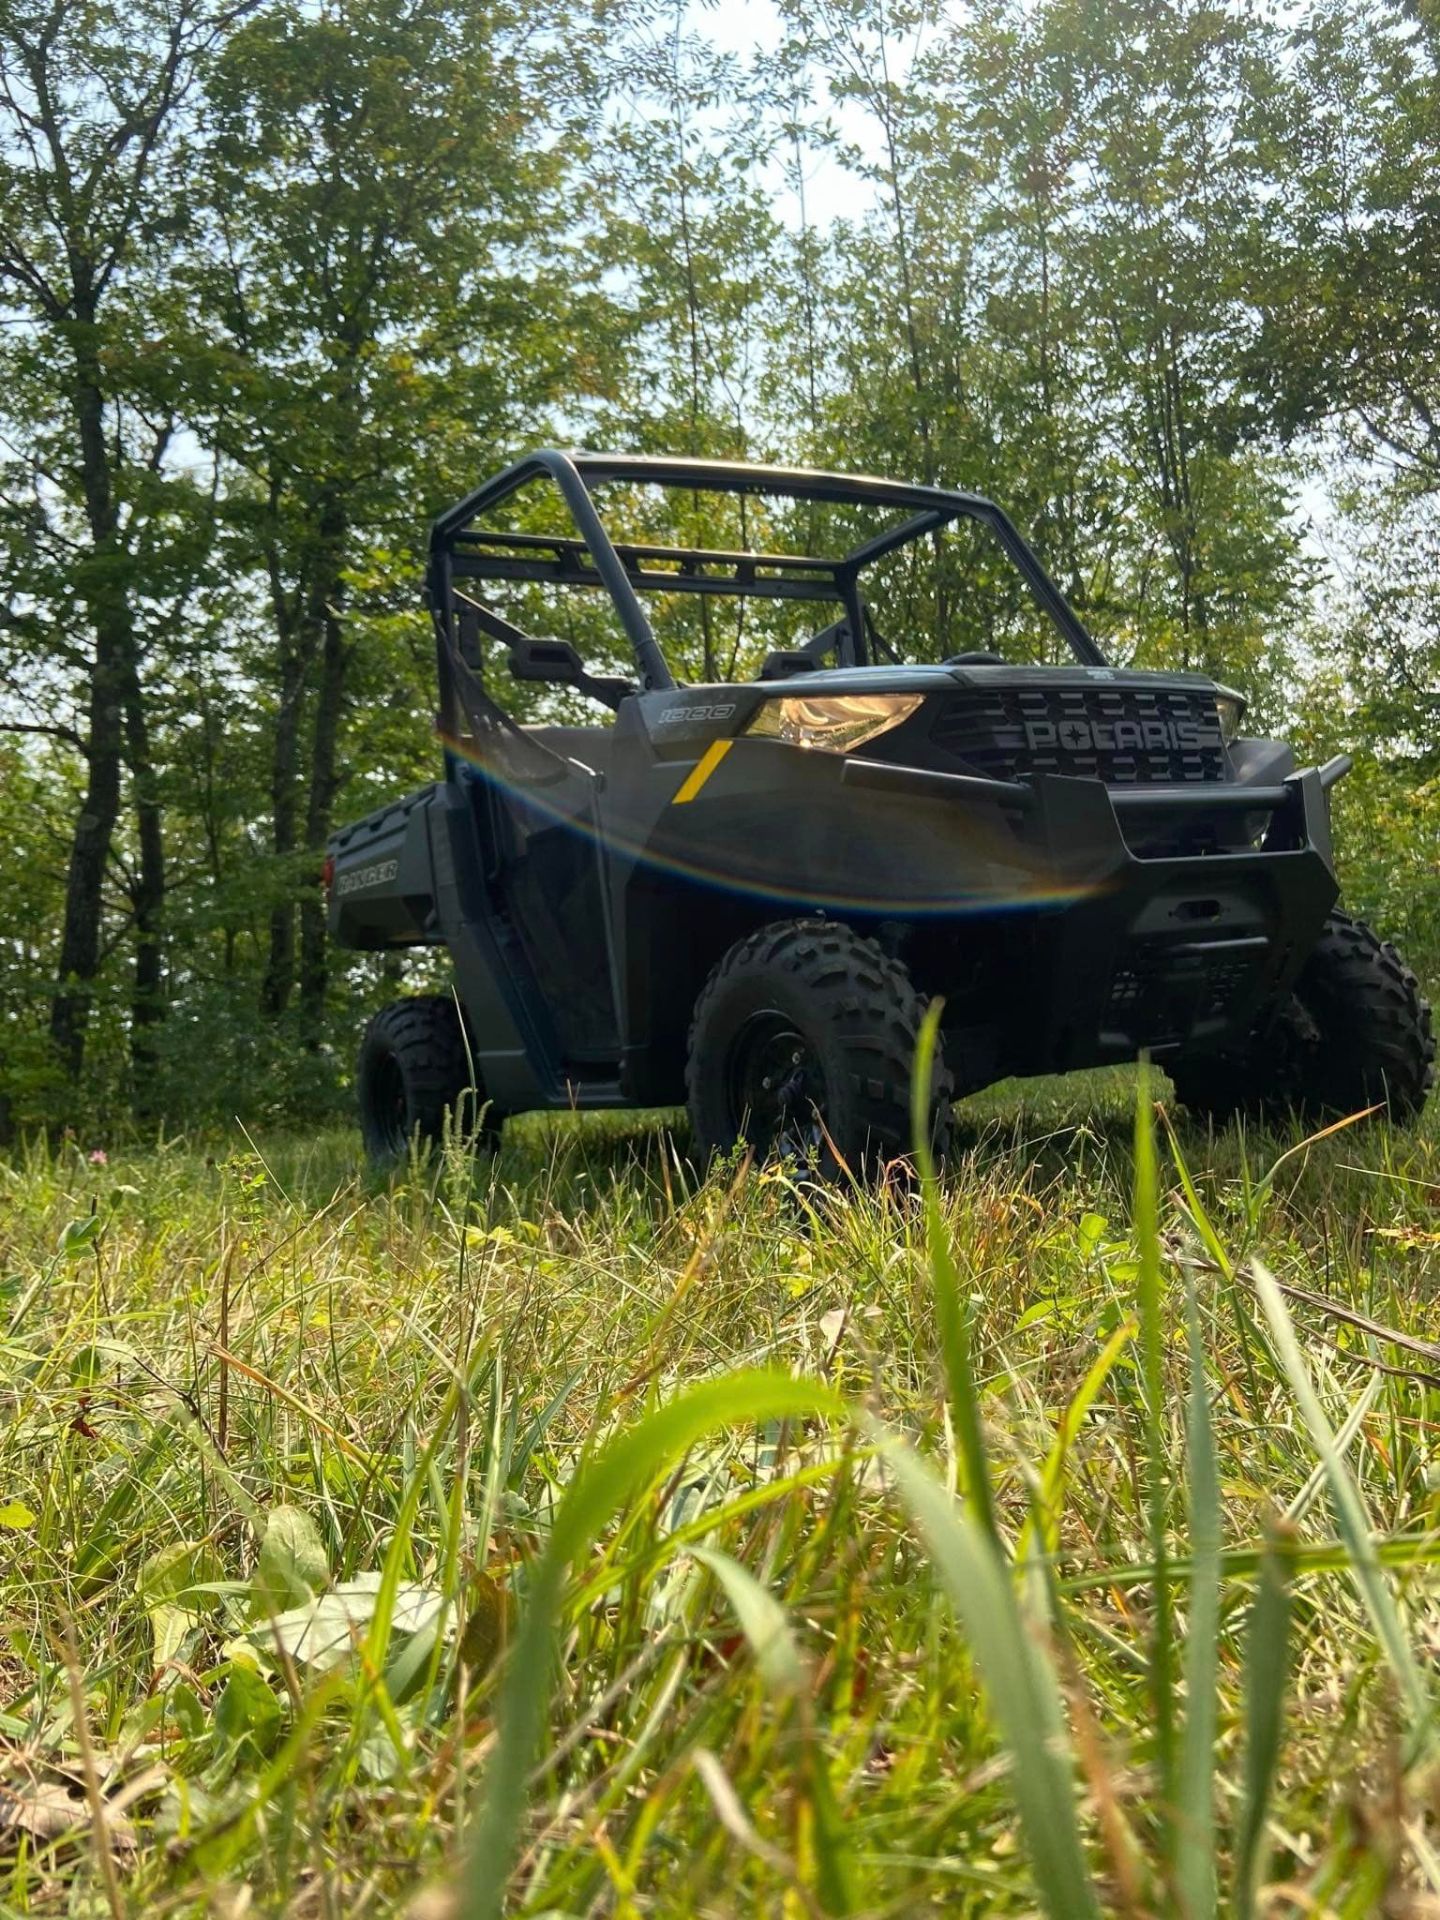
pixel 99 1157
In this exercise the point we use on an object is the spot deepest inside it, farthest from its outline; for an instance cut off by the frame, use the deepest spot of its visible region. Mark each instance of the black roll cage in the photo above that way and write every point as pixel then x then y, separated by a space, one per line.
pixel 459 551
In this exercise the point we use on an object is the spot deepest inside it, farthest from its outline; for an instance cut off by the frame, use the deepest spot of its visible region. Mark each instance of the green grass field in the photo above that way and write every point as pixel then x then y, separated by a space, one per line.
pixel 563 1537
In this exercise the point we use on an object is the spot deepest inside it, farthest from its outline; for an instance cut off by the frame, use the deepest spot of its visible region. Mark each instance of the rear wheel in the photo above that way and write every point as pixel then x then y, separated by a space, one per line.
pixel 803 1045
pixel 413 1070
pixel 1355 1033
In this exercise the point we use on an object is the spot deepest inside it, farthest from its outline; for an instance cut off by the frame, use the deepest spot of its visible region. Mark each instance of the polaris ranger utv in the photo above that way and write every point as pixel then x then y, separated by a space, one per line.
pixel 743 892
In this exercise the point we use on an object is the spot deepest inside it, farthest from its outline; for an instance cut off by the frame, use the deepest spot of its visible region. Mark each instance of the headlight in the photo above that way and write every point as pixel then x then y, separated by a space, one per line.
pixel 836 722
pixel 1231 708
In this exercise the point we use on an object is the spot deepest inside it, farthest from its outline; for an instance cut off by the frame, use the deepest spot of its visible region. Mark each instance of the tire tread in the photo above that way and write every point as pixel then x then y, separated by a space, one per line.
pixel 869 1002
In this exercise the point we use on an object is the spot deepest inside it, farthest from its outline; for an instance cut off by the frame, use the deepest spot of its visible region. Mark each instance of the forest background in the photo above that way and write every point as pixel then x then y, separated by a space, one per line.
pixel 279 281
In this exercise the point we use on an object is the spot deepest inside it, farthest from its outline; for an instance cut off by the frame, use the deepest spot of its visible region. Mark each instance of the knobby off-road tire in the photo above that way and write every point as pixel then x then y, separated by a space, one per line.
pixel 1355 1033
pixel 413 1069
pixel 803 1044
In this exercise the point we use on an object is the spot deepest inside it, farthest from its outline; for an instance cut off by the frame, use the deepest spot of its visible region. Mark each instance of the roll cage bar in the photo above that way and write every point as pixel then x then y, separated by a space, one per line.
pixel 461 551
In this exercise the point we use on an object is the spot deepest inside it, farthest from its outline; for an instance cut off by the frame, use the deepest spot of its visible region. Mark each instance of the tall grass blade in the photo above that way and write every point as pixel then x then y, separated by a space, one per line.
pixel 1043 1519
pixel 833 1868
pixel 1267 1660
pixel 762 1620
pixel 621 1468
pixel 782 1667
pixel 1350 1426
pixel 1152 1365
pixel 1194 1211
pixel 382 1621
pixel 1019 1680
pixel 1195 1807
pixel 1353 1523
pixel 1259 1193
pixel 951 1316
pixel 1193 1208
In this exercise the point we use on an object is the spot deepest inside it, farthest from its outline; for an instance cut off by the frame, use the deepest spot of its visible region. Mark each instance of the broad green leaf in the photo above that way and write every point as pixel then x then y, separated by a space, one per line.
pixel 328 1628
pixel 292 1565
pixel 80 1234
pixel 172 1585
pixel 15 1514
pixel 248 1717
pixel 1090 1234
pixel 100 1360
pixel 378 1757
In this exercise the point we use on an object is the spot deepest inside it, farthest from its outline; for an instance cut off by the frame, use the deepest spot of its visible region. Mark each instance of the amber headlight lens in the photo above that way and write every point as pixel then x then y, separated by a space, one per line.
pixel 835 723
pixel 1231 708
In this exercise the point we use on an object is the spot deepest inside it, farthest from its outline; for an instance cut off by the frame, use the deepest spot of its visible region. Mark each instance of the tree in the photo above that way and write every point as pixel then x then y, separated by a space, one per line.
pixel 376 318
pixel 1048 300
pixel 1352 336
pixel 91 99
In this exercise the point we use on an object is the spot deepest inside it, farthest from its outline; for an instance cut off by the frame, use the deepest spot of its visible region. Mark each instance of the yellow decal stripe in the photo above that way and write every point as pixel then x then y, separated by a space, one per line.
pixel 702 770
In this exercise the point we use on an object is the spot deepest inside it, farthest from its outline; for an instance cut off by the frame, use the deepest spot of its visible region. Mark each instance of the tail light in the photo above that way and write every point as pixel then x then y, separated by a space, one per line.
pixel 327 872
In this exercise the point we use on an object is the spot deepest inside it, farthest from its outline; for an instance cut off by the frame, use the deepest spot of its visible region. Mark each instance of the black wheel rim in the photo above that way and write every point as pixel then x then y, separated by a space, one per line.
pixel 389 1109
pixel 775 1087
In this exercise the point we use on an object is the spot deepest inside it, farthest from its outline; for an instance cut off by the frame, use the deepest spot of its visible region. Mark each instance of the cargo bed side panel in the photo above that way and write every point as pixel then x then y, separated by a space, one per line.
pixel 382 890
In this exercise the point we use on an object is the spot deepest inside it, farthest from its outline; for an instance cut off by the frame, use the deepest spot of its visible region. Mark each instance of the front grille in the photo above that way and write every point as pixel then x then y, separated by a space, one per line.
pixel 1125 736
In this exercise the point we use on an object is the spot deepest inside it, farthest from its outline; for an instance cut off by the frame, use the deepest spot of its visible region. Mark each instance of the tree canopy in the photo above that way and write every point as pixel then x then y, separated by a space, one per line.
pixel 277 282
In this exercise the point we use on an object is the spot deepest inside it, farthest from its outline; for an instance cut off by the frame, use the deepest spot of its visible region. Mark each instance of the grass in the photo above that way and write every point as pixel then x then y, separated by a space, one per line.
pixel 562 1536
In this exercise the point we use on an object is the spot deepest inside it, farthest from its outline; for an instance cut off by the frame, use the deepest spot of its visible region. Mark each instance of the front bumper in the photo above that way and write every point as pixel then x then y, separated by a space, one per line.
pixel 1166 951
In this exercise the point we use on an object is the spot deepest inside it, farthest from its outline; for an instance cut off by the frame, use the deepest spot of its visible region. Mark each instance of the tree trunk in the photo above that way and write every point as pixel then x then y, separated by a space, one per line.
pixel 279 978
pixel 104 591
pixel 147 898
pixel 302 633
pixel 320 809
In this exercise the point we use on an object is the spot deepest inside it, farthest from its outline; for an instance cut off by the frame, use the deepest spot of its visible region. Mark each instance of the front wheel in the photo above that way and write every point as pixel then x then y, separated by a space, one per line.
pixel 803 1045
pixel 1354 1033
pixel 413 1071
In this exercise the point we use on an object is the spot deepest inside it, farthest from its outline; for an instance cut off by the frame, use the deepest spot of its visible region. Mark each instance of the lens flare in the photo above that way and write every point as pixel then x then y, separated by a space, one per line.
pixel 1033 891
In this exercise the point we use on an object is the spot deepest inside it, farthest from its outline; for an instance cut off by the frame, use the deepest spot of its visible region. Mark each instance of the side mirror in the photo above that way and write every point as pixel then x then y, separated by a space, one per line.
pixel 558 662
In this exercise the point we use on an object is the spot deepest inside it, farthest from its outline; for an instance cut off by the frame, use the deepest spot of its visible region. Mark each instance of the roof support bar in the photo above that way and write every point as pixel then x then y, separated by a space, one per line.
pixel 469 565
pixel 654 674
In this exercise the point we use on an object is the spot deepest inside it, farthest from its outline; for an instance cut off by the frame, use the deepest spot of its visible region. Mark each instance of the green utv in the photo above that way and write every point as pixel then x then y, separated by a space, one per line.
pixel 742 893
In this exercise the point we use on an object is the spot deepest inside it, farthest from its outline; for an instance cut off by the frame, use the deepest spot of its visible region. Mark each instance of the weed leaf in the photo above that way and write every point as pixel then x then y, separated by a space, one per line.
pixel 292 1567
pixel 171 1586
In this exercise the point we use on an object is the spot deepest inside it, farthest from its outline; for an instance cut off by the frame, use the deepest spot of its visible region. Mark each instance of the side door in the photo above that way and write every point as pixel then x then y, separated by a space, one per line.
pixel 533 794
pixel 537 816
